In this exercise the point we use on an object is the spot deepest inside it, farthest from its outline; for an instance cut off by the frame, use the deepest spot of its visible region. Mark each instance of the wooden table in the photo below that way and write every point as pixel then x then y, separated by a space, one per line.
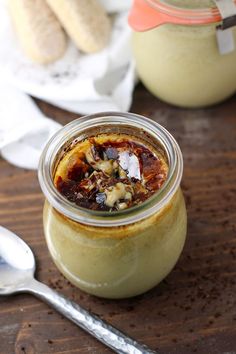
pixel 194 309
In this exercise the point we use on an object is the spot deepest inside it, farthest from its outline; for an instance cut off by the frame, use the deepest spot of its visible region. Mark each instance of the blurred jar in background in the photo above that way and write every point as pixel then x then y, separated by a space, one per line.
pixel 178 56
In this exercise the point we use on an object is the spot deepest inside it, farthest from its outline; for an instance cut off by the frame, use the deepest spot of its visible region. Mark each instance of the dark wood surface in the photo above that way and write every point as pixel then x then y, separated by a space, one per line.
pixel 194 309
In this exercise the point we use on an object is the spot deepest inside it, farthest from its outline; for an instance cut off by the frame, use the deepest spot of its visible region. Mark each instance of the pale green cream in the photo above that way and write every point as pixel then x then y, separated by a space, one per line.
pixel 182 64
pixel 117 262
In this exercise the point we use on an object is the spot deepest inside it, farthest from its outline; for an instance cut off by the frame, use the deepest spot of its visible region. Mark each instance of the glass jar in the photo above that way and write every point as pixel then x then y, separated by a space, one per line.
pixel 177 54
pixel 114 254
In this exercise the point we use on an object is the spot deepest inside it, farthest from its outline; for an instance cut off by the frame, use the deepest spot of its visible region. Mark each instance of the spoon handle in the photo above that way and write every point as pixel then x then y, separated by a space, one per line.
pixel 92 324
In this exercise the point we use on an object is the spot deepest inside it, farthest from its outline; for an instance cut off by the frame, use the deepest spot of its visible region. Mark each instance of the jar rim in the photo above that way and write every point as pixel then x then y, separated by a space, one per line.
pixel 207 13
pixel 101 218
pixel 148 14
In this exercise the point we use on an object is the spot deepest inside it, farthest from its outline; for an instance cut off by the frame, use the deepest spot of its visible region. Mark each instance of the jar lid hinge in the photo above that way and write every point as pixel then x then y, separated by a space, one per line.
pixel 224 33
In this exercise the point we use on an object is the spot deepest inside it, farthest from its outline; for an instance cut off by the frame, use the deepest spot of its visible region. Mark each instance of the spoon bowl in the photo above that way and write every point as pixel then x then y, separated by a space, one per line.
pixel 17 263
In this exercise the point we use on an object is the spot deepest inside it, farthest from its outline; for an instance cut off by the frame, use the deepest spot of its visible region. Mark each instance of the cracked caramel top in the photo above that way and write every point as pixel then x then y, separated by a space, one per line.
pixel 110 172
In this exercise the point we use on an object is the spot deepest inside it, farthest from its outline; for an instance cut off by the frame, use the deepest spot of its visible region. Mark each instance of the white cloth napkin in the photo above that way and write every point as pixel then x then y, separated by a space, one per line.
pixel 77 82
pixel 24 130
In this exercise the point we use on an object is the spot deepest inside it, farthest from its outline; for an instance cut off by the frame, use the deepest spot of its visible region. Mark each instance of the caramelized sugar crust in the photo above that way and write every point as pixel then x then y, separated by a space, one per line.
pixel 111 172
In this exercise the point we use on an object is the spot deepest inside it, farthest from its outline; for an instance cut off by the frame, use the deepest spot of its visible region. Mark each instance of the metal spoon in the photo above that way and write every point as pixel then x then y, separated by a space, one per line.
pixel 17 267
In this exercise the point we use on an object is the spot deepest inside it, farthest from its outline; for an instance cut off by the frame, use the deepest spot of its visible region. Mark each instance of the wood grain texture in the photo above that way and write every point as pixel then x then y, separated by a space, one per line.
pixel 194 309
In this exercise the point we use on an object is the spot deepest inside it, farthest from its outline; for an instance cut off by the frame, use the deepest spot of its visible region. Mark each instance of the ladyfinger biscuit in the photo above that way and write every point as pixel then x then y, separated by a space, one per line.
pixel 39 31
pixel 85 21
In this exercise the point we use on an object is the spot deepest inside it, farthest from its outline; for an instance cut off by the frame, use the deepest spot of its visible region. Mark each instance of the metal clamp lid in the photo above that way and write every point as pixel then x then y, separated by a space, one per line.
pixel 224 31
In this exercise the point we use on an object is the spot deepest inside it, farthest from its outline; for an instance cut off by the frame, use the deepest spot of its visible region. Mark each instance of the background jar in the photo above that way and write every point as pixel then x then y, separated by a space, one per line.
pixel 177 54
pixel 124 253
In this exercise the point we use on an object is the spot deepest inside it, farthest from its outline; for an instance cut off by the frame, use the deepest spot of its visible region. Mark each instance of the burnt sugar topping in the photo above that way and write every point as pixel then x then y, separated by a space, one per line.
pixel 110 172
